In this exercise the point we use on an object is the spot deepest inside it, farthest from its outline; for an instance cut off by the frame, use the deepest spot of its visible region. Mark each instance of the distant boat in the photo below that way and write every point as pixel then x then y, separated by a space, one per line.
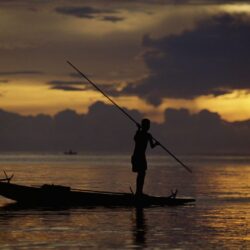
pixel 59 196
pixel 70 152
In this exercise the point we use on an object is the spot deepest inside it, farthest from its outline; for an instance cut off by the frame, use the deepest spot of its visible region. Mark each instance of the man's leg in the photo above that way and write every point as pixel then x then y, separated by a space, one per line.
pixel 140 182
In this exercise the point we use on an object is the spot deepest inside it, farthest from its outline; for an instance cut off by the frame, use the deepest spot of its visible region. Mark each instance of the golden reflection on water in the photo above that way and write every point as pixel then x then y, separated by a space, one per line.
pixel 192 227
pixel 219 219
pixel 88 228
pixel 228 224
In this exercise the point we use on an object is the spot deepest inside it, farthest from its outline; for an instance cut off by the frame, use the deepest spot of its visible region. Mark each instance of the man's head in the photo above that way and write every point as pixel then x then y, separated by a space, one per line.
pixel 145 124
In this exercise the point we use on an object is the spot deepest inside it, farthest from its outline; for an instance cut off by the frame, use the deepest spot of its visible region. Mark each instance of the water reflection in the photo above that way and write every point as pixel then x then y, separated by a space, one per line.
pixel 220 218
pixel 140 228
pixel 204 226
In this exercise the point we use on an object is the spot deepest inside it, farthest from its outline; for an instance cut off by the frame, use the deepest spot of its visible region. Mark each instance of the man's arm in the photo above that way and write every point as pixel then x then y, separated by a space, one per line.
pixel 153 143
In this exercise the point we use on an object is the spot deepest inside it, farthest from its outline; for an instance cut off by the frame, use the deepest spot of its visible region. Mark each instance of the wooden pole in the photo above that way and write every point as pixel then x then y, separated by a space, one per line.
pixel 128 115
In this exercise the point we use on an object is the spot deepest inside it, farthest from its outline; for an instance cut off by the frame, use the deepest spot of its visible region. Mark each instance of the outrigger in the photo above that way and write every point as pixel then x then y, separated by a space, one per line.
pixel 61 196
pixel 7 178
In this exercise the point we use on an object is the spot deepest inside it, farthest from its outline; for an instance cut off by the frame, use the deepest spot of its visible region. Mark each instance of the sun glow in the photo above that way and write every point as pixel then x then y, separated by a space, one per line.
pixel 236 8
pixel 34 97
pixel 234 106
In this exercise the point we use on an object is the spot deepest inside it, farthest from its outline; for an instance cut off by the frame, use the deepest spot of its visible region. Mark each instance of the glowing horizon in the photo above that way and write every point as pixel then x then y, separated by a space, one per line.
pixel 36 98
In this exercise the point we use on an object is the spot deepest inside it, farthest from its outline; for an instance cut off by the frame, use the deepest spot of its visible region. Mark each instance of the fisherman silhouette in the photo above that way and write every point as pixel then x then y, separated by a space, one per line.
pixel 138 159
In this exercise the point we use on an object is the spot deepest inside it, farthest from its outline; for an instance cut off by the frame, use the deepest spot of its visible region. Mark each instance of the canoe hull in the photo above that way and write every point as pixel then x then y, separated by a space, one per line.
pixel 49 195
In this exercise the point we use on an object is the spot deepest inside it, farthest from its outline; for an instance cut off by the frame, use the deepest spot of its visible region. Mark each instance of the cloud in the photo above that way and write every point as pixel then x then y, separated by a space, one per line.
pixel 4 81
pixel 113 19
pixel 110 89
pixel 105 129
pixel 29 3
pixel 212 59
pixel 58 82
pixel 67 85
pixel 66 88
pixel 48 38
pixel 91 132
pixel 86 12
pixel 82 12
pixel 23 72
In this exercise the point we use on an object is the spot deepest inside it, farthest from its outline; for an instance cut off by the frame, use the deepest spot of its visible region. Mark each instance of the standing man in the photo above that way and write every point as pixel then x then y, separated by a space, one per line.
pixel 138 160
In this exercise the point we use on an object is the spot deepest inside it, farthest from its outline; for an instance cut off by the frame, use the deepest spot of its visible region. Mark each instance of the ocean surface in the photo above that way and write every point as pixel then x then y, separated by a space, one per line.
pixel 219 219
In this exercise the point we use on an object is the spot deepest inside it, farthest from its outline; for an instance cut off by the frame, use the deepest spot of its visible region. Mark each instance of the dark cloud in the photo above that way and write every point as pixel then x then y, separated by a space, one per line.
pixel 66 88
pixel 58 82
pixel 113 19
pixel 4 81
pixel 29 3
pixel 67 85
pixel 110 89
pixel 212 59
pixel 90 13
pixel 91 132
pixel 105 129
pixel 83 11
pixel 23 72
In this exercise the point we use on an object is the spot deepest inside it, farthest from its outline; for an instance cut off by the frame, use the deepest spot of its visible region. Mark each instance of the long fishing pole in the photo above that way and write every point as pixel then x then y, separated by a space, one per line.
pixel 128 115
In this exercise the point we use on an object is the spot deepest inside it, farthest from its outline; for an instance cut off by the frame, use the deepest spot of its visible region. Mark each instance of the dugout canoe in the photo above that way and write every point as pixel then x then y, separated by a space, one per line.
pixel 56 196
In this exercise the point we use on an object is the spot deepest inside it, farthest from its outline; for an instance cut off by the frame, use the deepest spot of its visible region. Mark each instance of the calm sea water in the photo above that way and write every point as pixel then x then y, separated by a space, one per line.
pixel 220 218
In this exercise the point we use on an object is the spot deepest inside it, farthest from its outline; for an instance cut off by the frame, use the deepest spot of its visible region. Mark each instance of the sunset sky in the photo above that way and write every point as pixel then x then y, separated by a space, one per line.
pixel 148 55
